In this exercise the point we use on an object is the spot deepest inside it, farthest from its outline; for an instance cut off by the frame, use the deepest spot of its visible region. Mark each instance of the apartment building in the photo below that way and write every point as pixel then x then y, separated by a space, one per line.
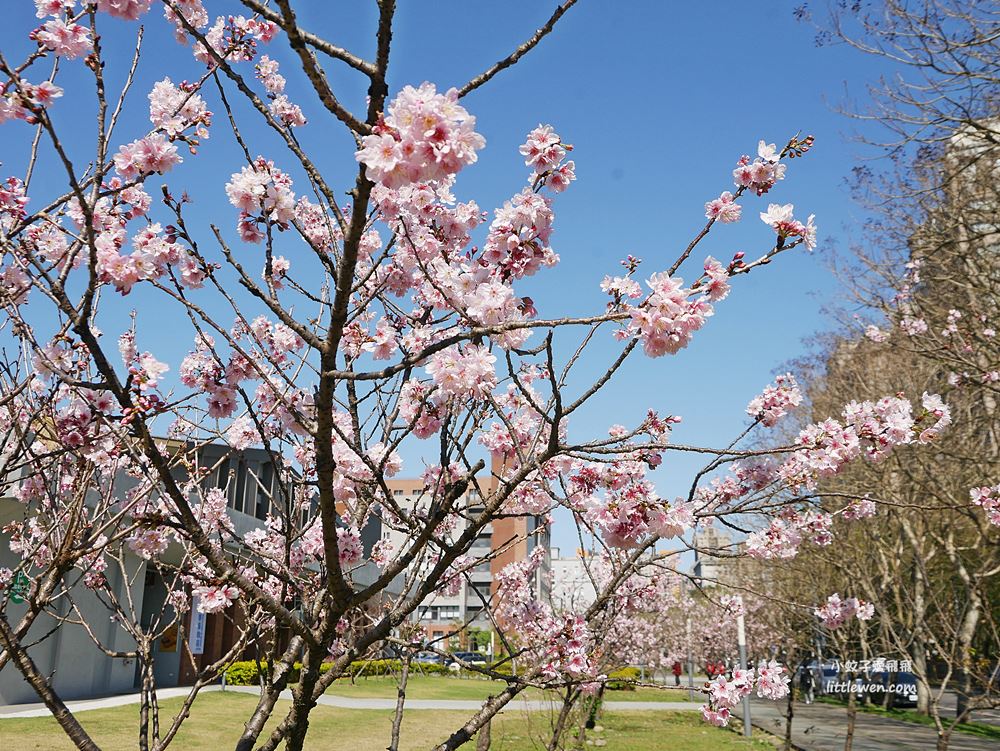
pixel 503 541
pixel 716 556
pixel 572 584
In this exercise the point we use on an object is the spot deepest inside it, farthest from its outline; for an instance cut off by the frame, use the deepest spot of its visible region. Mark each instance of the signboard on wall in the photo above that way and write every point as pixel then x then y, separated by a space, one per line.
pixel 196 640
pixel 168 642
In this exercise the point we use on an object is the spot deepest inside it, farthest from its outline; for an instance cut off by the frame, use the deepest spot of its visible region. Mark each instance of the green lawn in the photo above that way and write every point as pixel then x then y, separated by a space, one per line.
pixel 449 687
pixel 216 722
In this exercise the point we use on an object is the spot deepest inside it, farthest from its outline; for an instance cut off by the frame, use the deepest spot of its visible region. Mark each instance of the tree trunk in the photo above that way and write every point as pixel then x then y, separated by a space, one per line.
pixel 397 720
pixel 59 710
pixel 483 741
pixel 789 714
pixel 852 713
pixel 919 658
pixel 562 721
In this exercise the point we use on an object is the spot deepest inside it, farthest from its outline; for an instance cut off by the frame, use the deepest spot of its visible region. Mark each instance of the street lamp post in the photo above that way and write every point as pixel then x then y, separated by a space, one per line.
pixel 741 641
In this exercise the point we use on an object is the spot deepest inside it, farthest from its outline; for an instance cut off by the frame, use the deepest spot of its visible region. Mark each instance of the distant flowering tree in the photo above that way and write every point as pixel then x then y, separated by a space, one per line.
pixel 333 334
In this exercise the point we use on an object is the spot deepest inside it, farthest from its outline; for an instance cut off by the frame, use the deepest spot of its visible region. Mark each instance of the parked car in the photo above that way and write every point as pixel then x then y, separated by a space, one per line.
pixel 476 658
pixel 903 685
pixel 432 658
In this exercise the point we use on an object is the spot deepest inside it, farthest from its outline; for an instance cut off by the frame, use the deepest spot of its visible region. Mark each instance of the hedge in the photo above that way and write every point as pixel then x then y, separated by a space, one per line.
pixel 623 679
pixel 246 673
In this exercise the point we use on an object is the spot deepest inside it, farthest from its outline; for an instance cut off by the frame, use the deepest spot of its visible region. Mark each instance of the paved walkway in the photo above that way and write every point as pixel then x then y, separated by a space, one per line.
pixel 822 727
pixel 333 700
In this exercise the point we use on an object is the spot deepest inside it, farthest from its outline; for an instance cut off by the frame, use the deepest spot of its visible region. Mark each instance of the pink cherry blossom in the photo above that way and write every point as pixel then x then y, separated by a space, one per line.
pixel 780 219
pixel 670 317
pixel 215 598
pixel 177 108
pixel 463 373
pixel 724 209
pixel 860 508
pixel 772 681
pixel 836 612
pixel 154 153
pixel 988 498
pixel 53 7
pixel 127 9
pixel 66 40
pixel 263 194
pixel 43 94
pixel 776 401
pixel 434 138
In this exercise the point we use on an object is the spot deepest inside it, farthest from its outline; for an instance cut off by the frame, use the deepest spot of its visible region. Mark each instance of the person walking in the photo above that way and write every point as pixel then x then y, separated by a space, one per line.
pixel 806 680
pixel 677 672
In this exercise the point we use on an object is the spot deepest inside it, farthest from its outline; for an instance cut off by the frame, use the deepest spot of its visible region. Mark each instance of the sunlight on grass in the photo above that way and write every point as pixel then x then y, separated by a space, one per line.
pixel 473 688
pixel 216 723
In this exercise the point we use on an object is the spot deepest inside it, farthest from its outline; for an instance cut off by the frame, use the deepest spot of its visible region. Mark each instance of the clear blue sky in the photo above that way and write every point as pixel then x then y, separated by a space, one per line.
pixel 659 99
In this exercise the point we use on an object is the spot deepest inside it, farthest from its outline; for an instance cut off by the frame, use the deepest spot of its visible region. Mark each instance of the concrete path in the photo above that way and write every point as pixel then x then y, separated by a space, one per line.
pixel 333 700
pixel 104 702
pixel 822 727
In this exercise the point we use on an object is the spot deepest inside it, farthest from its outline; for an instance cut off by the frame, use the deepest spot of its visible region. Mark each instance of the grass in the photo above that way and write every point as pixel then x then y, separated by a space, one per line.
pixel 632 731
pixel 980 729
pixel 473 688
pixel 216 723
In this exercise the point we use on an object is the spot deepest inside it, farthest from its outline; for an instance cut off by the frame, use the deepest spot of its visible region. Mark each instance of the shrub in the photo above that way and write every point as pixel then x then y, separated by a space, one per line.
pixel 623 679
pixel 504 667
pixel 246 673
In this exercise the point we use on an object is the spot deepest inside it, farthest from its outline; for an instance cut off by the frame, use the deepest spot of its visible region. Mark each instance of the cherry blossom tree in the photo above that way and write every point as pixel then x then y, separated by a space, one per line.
pixel 332 334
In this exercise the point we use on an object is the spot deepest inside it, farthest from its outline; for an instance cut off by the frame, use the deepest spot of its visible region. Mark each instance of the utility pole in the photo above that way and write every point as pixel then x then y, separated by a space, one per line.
pixel 741 642
pixel 690 662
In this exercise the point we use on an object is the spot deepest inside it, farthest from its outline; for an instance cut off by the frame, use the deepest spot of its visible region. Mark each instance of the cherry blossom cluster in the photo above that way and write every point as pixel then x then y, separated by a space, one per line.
pixel 544 152
pixel 629 511
pixel 264 196
pixel 45 8
pixel 762 173
pixel 154 254
pixel 781 219
pixel 193 11
pixel 69 40
pixel 127 9
pixel 669 317
pixel 19 105
pixel 232 38
pixel 871 429
pixel 560 643
pixel 13 199
pixel 283 109
pixel 724 209
pixel 726 693
pixel 517 245
pixel 776 400
pixel 144 156
pixel 463 372
pixel 425 136
pixel 860 508
pixel 783 536
pixel 988 498
pixel 836 612
pixel 875 334
pixel 174 109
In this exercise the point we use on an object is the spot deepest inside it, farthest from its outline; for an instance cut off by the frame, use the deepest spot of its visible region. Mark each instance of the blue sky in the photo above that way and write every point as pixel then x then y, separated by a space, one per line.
pixel 659 100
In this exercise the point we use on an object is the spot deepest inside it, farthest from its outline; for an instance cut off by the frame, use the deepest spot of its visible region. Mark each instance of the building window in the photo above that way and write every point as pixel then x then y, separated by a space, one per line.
pixel 263 487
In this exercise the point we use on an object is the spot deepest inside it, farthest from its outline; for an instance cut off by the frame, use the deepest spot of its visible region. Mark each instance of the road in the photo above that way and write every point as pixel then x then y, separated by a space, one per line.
pixel 822 727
